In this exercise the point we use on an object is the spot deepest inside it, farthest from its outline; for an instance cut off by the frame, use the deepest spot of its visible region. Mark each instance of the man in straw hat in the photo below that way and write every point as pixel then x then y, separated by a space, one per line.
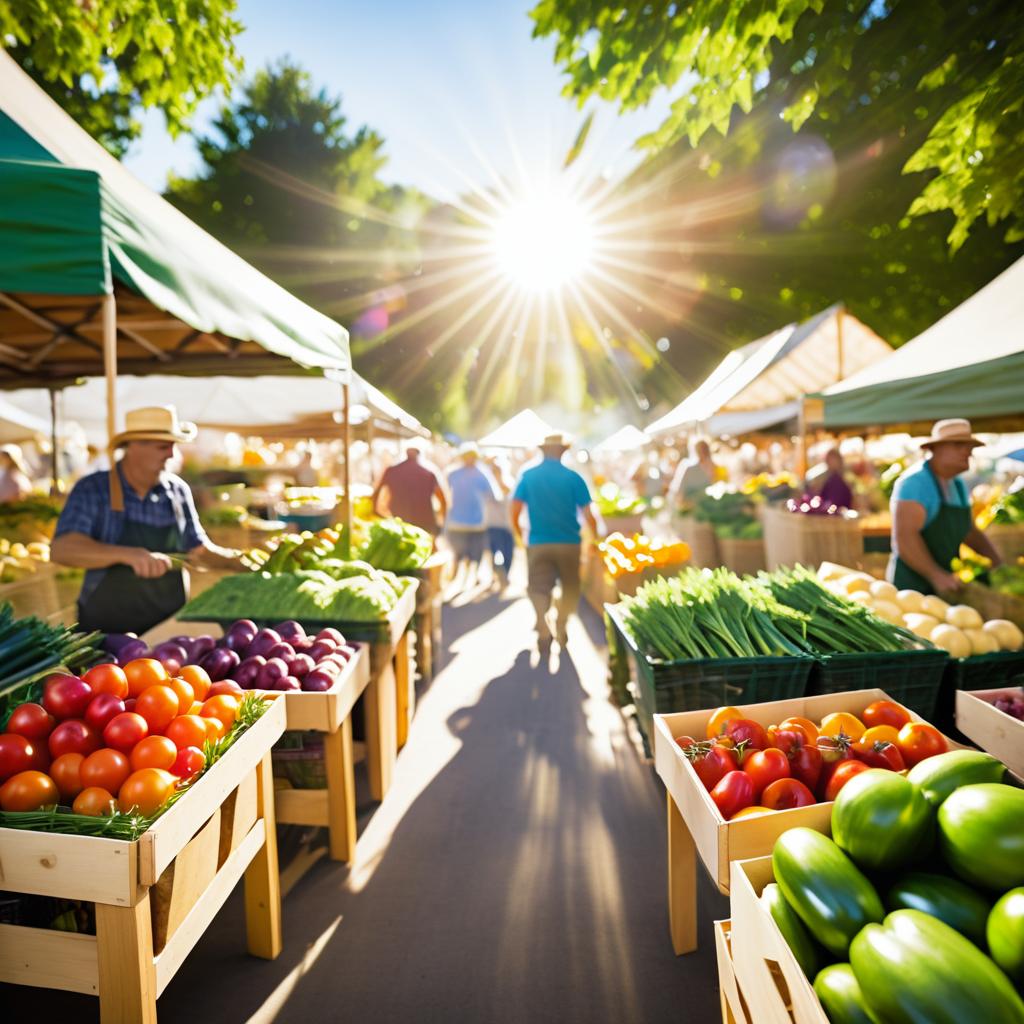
pixel 471 488
pixel 931 513
pixel 123 525
pixel 554 497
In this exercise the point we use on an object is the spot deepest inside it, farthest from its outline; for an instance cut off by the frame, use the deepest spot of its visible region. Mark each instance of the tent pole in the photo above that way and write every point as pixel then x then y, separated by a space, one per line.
pixel 54 470
pixel 369 448
pixel 801 451
pixel 110 361
pixel 346 441
pixel 840 369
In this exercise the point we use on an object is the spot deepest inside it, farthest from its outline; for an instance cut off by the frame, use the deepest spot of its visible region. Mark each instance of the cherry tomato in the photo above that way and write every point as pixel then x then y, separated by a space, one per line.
pixel 885 712
pixel 764 767
pixel 66 771
pixel 717 721
pixel 188 731
pixel 28 791
pixel 887 733
pixel 786 740
pixel 745 730
pixel 108 679
pixel 190 761
pixel 880 754
pixel 158 705
pixel 751 812
pixel 105 769
pixel 94 801
pixel 918 740
pixel 732 793
pixel 685 741
pixel 146 791
pixel 66 696
pixel 805 765
pixel 805 725
pixel 74 736
pixel 198 679
pixel 186 694
pixel 215 728
pixel 842 722
pixel 153 752
pixel 102 708
pixel 711 762
pixel 784 794
pixel 20 754
pixel 32 721
pixel 223 707
pixel 125 730
pixel 142 674
pixel 844 771
pixel 834 748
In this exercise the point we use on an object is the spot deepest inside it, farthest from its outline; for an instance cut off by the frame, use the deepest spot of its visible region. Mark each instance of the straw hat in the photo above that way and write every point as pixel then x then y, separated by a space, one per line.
pixel 154 423
pixel 469 451
pixel 958 431
pixel 559 439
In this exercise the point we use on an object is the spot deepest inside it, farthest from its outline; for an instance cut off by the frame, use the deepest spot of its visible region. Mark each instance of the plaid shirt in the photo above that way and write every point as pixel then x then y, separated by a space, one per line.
pixel 88 511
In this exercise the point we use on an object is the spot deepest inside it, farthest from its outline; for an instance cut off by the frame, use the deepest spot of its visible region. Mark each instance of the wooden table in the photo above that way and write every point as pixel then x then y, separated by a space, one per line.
pixel 429 605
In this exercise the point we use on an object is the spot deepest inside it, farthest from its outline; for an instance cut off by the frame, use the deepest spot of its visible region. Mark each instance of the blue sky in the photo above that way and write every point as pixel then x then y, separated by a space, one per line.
pixel 451 85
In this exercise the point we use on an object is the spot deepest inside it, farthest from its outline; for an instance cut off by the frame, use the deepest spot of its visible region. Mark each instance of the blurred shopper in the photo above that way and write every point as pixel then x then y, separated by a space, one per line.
pixel 554 497
pixel 831 485
pixel 471 488
pixel 412 490
pixel 694 475
pixel 496 516
pixel 931 513
pixel 15 479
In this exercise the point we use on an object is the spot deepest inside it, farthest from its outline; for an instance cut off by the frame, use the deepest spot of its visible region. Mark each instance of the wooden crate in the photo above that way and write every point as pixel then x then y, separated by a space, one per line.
pixel 996 732
pixel 695 826
pixel 734 1006
pixel 702 540
pixel 766 969
pixel 1007 539
pixel 994 604
pixel 743 557
pixel 156 896
pixel 794 539
pixel 330 712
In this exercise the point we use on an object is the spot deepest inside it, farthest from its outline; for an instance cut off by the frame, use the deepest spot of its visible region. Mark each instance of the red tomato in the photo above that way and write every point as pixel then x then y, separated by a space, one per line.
pixel 94 801
pixel 917 740
pixel 105 769
pixel 188 731
pixel 108 679
pixel 66 771
pixel 190 761
pixel 764 767
pixel 786 740
pixel 685 741
pixel 146 791
pixel 66 696
pixel 804 725
pixel 158 705
pixel 885 712
pixel 228 686
pixel 32 721
pixel 711 764
pixel 718 720
pixel 28 791
pixel 745 730
pixel 144 673
pixel 198 679
pixel 880 754
pixel 844 771
pixel 805 765
pixel 834 748
pixel 20 754
pixel 732 793
pixel 186 695
pixel 74 737
pixel 153 752
pixel 125 730
pixel 102 708
pixel 786 793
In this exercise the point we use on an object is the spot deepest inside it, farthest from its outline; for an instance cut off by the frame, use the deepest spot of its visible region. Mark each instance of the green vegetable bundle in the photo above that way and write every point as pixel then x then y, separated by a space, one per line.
pixel 396 545
pixel 611 502
pixel 1009 509
pixel 733 514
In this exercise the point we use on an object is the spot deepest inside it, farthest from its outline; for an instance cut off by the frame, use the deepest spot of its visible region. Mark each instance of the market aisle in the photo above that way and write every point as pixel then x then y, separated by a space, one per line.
pixel 516 872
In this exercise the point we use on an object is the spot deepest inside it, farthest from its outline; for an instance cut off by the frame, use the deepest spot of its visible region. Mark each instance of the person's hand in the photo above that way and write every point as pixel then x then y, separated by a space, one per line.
pixel 148 565
pixel 945 582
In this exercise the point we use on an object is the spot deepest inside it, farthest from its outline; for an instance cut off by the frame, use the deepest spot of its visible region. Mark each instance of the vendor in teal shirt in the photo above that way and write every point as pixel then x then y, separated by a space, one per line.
pixel 931 513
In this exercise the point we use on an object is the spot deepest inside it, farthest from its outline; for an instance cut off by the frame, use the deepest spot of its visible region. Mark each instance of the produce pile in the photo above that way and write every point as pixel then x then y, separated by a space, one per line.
pixel 916 903
pixel 771 486
pixel 958 629
pixel 715 614
pixel 284 658
pixel 1010 702
pixel 733 514
pixel 223 514
pixel 117 744
pixel 751 770
pixel 20 561
pixel 34 517
pixel 816 507
pixel 396 545
pixel 622 555
pixel 1006 510
pixel 612 502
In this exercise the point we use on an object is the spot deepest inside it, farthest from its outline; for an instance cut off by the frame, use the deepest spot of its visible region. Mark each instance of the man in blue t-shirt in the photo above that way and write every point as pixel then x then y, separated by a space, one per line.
pixel 554 497
pixel 471 488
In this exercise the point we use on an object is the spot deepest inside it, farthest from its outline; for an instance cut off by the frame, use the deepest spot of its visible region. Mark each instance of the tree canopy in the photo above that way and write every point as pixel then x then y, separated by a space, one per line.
pixel 105 61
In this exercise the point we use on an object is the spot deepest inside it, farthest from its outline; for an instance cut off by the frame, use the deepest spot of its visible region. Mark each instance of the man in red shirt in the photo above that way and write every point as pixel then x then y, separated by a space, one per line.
pixel 408 490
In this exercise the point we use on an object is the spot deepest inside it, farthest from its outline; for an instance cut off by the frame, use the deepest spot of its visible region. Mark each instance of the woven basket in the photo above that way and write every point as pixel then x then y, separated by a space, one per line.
pixel 743 557
pixel 993 604
pixel 794 539
pixel 1007 539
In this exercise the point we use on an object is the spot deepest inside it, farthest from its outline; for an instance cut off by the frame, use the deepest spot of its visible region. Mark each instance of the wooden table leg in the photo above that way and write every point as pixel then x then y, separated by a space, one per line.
pixel 682 882
pixel 341 792
pixel 404 696
pixel 262 877
pixel 127 976
pixel 379 706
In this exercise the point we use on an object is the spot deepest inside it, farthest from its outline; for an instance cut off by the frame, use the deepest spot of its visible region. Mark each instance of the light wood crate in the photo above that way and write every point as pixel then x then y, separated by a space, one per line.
pixel 994 604
pixel 703 542
pixel 734 1005
pixel 156 896
pixel 695 826
pixel 743 557
pixel 791 538
pixel 1007 539
pixel 996 732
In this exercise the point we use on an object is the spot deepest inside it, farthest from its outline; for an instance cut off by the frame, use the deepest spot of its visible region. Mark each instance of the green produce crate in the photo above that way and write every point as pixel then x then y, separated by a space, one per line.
pixel 912 678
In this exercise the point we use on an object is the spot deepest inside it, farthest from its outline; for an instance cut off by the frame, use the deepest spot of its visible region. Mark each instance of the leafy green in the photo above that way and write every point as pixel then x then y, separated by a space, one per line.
pixel 396 545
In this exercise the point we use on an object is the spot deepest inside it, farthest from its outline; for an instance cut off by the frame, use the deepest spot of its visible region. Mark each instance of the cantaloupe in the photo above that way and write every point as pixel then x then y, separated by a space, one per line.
pixel 951 639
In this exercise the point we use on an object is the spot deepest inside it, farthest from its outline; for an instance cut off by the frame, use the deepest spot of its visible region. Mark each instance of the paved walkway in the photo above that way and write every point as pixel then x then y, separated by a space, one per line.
pixel 515 872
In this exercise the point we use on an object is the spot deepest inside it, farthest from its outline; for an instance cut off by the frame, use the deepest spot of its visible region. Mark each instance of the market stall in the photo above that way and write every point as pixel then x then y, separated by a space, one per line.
pixel 524 430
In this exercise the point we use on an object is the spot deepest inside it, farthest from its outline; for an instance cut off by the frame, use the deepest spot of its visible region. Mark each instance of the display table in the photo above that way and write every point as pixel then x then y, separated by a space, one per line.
pixel 429 604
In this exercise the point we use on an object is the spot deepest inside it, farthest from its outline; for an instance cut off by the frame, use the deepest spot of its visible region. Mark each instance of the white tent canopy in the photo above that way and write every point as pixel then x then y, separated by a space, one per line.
pixel 524 430
pixel 18 425
pixel 757 385
pixel 626 439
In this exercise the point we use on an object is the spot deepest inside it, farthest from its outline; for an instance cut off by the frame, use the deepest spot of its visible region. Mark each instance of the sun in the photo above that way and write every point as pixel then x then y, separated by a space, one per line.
pixel 544 241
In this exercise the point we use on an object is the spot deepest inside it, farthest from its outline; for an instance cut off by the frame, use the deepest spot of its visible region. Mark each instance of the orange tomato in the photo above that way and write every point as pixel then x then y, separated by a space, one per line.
pixel 94 801
pixel 153 752
pixel 804 725
pixel 188 731
pixel 842 722
pixel 143 673
pixel 918 740
pixel 718 720
pixel 885 712
pixel 105 769
pixel 28 791
pixel 186 695
pixel 146 791
pixel 108 679
pixel 215 729
pixel 158 705
pixel 223 707
pixel 196 707
pixel 66 771
pixel 877 734
pixel 749 812
pixel 197 678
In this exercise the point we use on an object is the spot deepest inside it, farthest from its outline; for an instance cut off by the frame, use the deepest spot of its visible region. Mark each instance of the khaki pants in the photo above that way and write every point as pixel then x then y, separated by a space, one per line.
pixel 548 563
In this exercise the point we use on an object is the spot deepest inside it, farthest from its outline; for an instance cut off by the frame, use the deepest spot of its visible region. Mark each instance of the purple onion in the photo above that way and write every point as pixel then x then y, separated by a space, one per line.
pixel 348 651
pixel 331 668
pixel 317 681
pixel 246 673
pixel 170 651
pixel 288 683
pixel 201 646
pixel 333 659
pixel 321 649
pixel 302 645
pixel 220 663
pixel 283 650
pixel 330 633
pixel 132 650
pixel 300 665
pixel 240 635
pixel 270 673
pixel 115 642
pixel 290 630
pixel 264 641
